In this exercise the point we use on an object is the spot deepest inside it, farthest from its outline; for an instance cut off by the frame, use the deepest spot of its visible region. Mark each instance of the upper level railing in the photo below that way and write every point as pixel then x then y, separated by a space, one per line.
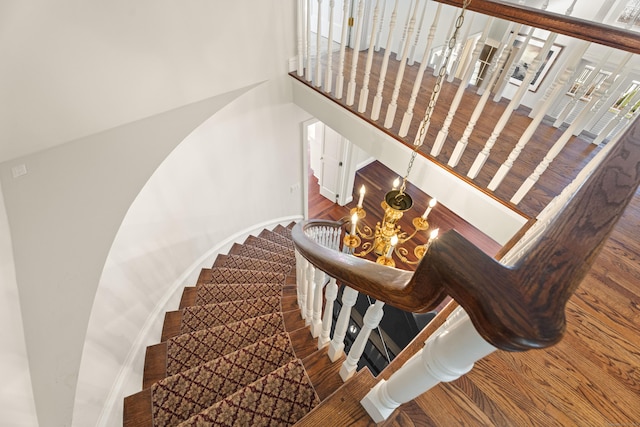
pixel 514 303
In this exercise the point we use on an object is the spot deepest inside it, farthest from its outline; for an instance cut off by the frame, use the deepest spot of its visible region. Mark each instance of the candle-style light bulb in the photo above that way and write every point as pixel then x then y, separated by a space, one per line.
pixel 432 204
pixel 354 221
pixel 434 234
pixel 396 183
pixel 394 242
pixel 362 191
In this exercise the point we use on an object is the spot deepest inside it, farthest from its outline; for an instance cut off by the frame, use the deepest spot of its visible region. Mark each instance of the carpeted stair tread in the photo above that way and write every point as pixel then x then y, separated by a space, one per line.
pixel 285 231
pixel 249 263
pixel 235 275
pixel 278 399
pixel 269 245
pixel 277 238
pixel 219 293
pixel 178 397
pixel 189 350
pixel 250 251
pixel 207 316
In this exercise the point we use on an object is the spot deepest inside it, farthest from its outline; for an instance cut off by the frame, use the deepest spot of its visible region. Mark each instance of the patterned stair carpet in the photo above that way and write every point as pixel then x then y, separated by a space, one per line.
pixel 231 362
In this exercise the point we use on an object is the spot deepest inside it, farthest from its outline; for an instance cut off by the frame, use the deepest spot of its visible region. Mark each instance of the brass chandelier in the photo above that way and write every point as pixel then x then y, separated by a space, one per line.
pixel 387 238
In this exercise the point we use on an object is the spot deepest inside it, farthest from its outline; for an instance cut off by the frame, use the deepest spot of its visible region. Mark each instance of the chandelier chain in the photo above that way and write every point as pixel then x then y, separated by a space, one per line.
pixel 434 94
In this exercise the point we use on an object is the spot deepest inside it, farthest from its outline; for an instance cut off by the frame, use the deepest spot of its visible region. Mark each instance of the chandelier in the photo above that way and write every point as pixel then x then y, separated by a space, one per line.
pixel 387 238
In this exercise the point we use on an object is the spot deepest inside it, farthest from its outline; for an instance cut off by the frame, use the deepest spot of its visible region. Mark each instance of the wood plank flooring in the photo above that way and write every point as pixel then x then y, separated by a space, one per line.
pixel 590 378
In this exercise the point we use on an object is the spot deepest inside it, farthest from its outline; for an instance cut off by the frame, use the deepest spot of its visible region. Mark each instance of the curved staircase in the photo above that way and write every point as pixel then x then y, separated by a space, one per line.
pixel 237 351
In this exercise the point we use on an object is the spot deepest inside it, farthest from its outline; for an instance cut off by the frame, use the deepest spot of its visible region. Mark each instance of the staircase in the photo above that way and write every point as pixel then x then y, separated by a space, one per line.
pixel 237 352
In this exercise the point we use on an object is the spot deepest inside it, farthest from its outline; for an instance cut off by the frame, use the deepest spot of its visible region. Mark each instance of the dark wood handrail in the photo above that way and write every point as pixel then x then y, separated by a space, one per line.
pixel 606 35
pixel 514 308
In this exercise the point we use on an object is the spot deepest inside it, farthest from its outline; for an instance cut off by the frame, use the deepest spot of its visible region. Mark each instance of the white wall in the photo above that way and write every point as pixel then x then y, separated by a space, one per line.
pixel 16 405
pixel 126 80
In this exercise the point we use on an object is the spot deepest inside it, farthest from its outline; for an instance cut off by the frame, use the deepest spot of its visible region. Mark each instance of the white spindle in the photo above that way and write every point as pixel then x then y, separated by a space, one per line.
pixel 351 87
pixel 551 155
pixel 379 32
pixel 436 67
pixel 310 292
pixel 377 100
pixel 301 37
pixel 444 358
pixel 336 347
pixel 393 105
pixel 614 122
pixel 343 45
pixel 303 288
pixel 370 321
pixel 569 70
pixel 459 50
pixel 508 71
pixel 328 78
pixel 316 321
pixel 318 76
pixel 404 38
pixel 364 92
pixel 408 115
pixel 412 50
pixel 504 118
pixel 566 111
pixel 492 76
pixel 331 293
pixel 308 33
pixel 558 89
pixel 455 103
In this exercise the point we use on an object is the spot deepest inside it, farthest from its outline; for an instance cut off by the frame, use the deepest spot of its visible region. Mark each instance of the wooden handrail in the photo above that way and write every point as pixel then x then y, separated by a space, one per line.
pixel 514 308
pixel 603 34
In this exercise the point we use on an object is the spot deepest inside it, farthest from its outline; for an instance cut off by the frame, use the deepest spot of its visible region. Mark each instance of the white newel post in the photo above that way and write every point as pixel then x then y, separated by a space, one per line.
pixel 331 293
pixel 364 92
pixel 343 45
pixel 316 322
pixel 393 105
pixel 351 87
pixel 377 100
pixel 310 287
pixel 336 348
pixel 370 321
pixel 408 115
pixel 451 353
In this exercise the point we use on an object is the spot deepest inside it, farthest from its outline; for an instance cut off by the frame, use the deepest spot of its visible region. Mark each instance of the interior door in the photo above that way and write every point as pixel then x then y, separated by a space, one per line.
pixel 338 8
pixel 331 162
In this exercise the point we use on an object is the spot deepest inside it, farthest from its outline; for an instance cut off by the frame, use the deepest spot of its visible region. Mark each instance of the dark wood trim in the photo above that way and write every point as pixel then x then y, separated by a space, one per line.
pixel 603 34
pixel 515 238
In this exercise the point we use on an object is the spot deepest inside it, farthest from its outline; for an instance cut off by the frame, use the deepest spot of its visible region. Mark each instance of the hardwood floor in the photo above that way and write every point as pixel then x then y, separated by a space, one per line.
pixel 590 378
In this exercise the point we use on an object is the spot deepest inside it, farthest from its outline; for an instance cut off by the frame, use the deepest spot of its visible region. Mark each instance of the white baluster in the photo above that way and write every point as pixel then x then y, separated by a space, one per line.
pixel 436 67
pixel 377 100
pixel 308 75
pixel 412 50
pixel 379 32
pixel 301 37
pixel 566 111
pixel 330 294
pixel 393 105
pixel 318 76
pixel 455 103
pixel 328 79
pixel 508 72
pixel 310 292
pixel 316 322
pixel 558 89
pixel 370 321
pixel 408 115
pixel 504 118
pixel 458 50
pixel 404 33
pixel 448 356
pixel 364 92
pixel 614 122
pixel 299 277
pixel 302 290
pixel 493 74
pixel 551 155
pixel 351 87
pixel 343 45
pixel 569 70
pixel 336 348
pixel 508 38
